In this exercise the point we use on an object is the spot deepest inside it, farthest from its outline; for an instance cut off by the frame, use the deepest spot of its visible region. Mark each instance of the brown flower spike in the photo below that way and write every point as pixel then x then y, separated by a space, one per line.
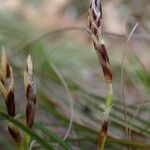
pixel 7 88
pixel 7 84
pixel 104 61
pixel 95 27
pixel 30 92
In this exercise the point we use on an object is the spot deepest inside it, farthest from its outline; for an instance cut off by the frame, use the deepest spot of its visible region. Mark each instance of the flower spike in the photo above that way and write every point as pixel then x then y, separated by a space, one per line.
pixel 30 92
pixel 7 88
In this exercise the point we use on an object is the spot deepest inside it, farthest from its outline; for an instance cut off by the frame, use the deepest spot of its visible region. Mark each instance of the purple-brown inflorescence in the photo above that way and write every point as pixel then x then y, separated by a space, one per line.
pixel 95 25
pixel 102 134
pixel 30 92
pixel 7 88
pixel 95 18
pixel 7 84
pixel 104 61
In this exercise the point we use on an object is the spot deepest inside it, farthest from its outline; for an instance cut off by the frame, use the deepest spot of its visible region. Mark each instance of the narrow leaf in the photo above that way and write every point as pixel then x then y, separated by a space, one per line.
pixel 28 131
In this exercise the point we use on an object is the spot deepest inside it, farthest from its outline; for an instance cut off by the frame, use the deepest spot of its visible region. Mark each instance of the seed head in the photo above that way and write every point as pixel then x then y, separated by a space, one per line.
pixel 103 133
pixel 15 134
pixel 30 92
pixel 7 84
pixel 95 18
pixel 104 61
pixel 7 88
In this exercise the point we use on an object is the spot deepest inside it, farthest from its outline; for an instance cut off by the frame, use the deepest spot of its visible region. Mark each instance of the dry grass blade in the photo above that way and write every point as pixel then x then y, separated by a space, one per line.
pixel 70 100
pixel 122 76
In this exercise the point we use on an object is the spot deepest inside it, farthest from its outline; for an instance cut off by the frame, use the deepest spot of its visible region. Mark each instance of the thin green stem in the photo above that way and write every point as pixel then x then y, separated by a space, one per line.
pixel 109 97
pixel 26 142
pixel 19 146
pixel 104 128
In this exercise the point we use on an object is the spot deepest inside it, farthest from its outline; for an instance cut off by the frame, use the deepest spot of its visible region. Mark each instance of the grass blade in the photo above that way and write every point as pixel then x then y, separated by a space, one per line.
pixel 28 131
pixel 52 135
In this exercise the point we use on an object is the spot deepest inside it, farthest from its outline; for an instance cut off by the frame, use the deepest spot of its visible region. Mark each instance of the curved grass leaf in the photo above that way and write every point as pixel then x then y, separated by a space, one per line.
pixel 47 106
pixel 52 135
pixel 28 131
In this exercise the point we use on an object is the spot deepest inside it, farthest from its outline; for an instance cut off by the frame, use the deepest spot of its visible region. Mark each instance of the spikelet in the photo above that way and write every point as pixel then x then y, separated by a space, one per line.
pixel 104 61
pixel 102 135
pixel 7 84
pixel 7 88
pixel 95 18
pixel 30 92
pixel 95 25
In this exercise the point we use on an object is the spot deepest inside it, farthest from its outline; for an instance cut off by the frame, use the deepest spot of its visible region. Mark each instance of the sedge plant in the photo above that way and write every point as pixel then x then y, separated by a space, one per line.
pixel 22 142
pixel 95 27
pixel 49 105
pixel 7 89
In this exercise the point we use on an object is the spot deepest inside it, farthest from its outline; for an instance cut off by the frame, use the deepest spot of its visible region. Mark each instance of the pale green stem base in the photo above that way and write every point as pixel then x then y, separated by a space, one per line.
pixel 107 108
pixel 25 143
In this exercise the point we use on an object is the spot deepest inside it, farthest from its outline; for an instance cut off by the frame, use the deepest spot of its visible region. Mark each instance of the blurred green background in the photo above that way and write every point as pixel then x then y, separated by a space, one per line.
pixel 36 27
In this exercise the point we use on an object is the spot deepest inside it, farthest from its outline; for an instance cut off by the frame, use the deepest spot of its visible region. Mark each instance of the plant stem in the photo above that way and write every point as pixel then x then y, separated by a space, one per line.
pixel 19 146
pixel 109 97
pixel 26 142
pixel 104 127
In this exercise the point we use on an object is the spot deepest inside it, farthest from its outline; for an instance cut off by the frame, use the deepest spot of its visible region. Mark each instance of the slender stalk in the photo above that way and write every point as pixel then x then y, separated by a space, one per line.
pixel 104 127
pixel 110 95
pixel 19 146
